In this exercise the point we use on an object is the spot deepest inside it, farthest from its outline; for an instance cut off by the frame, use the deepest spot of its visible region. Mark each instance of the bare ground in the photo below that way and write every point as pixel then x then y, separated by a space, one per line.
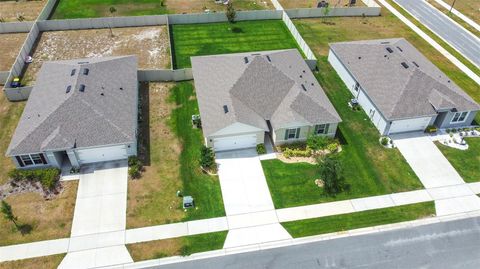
pixel 150 44
pixel 198 6
pixel 49 219
pixel 47 262
pixel 152 199
pixel 11 10
pixel 10 46
pixel 289 4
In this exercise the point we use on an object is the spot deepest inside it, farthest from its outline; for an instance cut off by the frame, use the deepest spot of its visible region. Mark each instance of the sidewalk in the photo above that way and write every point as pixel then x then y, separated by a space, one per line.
pixel 459 14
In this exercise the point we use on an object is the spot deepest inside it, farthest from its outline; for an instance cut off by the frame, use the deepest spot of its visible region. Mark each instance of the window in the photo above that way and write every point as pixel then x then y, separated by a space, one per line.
pixel 321 128
pixel 292 133
pixel 85 71
pixel 31 159
pixel 459 117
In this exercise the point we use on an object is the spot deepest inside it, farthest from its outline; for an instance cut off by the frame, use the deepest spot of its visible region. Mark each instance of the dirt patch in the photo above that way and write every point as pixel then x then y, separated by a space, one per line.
pixel 150 44
pixel 155 249
pixel 13 10
pixel 152 199
pixel 289 4
pixel 10 44
pixel 48 219
pixel 198 6
pixel 47 262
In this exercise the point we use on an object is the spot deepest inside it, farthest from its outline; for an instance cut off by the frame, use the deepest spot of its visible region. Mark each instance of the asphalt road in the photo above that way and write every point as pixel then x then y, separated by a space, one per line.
pixel 454 244
pixel 455 35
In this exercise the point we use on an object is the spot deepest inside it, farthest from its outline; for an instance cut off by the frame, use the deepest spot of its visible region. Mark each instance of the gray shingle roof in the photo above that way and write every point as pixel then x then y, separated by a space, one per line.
pixel 399 92
pixel 268 87
pixel 54 119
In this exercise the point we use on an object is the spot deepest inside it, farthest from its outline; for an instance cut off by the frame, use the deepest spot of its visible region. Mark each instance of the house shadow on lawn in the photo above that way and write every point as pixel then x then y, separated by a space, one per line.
pixel 144 123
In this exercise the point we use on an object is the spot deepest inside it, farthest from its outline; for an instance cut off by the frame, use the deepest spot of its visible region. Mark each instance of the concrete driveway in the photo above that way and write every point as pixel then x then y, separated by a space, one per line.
pixel 426 160
pixel 250 212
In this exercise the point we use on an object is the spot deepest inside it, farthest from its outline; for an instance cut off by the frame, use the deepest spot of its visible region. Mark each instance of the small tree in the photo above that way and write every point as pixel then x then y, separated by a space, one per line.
pixel 231 13
pixel 332 175
pixel 325 11
pixel 112 13
pixel 8 213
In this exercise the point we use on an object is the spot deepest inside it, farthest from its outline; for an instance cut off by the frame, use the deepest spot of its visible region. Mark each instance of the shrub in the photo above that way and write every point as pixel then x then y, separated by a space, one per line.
pixel 317 142
pixel 331 173
pixel 431 129
pixel 332 147
pixel 231 13
pixel 291 152
pixel 261 149
pixel 207 157
pixel 135 167
pixel 48 177
pixel 384 141
pixel 448 130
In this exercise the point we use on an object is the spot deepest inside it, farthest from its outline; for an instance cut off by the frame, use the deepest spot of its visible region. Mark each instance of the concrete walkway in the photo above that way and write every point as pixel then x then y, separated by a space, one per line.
pixel 99 221
pixel 432 42
pixel 441 180
pixel 249 207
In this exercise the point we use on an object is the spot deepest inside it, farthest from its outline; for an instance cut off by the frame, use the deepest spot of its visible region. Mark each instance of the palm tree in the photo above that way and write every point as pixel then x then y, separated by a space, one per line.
pixel 8 213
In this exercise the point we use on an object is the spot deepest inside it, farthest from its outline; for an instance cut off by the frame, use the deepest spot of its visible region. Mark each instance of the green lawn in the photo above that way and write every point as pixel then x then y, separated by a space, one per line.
pixel 466 162
pixel 369 168
pixel 219 38
pixel 75 9
pixel 204 188
pixel 357 220
pixel 177 246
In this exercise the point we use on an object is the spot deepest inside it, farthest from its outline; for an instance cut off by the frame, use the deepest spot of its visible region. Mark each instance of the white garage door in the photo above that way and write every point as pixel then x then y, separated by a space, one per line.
pixel 235 142
pixel 410 125
pixel 102 154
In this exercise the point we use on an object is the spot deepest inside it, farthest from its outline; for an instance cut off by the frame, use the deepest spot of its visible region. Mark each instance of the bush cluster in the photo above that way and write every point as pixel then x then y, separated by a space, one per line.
pixel 317 142
pixel 48 177
pixel 431 129
pixel 135 167
pixel 384 141
pixel 261 149
pixel 207 157
pixel 297 152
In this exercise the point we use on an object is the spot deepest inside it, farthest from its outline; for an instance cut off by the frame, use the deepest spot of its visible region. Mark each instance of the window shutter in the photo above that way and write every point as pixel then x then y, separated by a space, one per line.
pixel 42 157
pixel 19 160
pixel 326 128
pixel 298 133
pixel 286 134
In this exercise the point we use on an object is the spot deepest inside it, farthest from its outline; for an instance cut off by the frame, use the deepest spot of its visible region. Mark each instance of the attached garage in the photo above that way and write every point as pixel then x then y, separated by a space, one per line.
pixel 235 142
pixel 95 155
pixel 409 125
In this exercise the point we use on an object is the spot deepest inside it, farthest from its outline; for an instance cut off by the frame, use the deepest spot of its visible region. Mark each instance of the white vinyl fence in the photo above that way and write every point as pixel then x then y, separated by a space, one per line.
pixel 301 43
pixel 47 10
pixel 18 94
pixel 96 23
pixel 221 17
pixel 15 27
pixel 165 75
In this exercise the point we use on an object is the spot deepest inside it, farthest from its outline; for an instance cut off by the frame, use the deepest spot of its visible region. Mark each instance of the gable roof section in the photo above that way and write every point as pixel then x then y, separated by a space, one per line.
pixel 103 114
pixel 257 87
pixel 417 89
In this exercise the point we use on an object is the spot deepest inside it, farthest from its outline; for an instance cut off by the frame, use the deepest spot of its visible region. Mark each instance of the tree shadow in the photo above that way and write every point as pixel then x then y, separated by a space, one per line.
pixel 144 123
pixel 237 30
pixel 341 138
pixel 25 228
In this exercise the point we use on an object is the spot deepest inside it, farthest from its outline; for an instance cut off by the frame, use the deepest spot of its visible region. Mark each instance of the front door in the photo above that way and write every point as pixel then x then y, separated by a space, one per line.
pixel 439 120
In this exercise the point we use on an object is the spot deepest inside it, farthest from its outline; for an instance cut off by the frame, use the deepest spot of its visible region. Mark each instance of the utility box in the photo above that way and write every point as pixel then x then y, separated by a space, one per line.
pixel 188 202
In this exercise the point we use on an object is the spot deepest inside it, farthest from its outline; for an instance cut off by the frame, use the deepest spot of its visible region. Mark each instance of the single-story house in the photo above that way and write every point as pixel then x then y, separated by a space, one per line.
pixel 79 112
pixel 244 97
pixel 399 88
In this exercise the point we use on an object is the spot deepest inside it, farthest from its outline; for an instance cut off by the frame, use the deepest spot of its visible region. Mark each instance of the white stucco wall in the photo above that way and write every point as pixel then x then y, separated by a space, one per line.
pixel 346 77
pixel 305 131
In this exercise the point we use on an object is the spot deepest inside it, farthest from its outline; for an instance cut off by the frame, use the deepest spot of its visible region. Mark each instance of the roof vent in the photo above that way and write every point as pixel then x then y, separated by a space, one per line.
pixel 405 65
pixel 385 42
pixel 359 57
pixel 121 88
pixel 82 88
pixel 73 72
pixel 86 71
pixel 102 94
pixel 82 62
pixel 385 55
pixel 389 50
pixel 303 87
pixel 268 58
pixel 301 76
pixel 304 71
pixel 245 59
pixel 225 109
pixel 415 64
pixel 69 87
pixel 400 49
